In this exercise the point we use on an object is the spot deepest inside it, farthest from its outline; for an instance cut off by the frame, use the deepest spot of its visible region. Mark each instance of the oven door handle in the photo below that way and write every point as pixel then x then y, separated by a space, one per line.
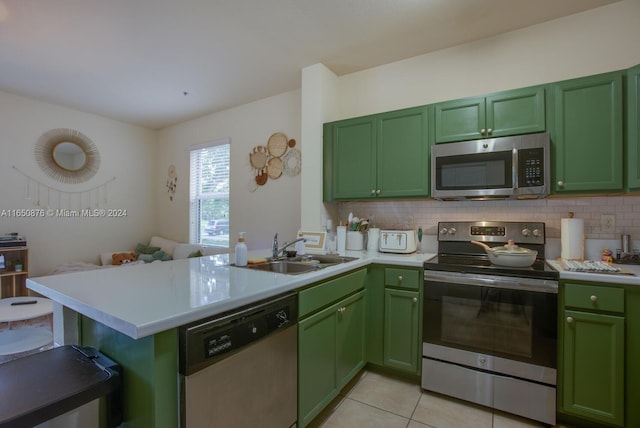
pixel 514 283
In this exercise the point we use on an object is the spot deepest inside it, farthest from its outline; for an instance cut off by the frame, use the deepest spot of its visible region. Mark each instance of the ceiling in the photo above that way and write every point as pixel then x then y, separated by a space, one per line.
pixel 156 63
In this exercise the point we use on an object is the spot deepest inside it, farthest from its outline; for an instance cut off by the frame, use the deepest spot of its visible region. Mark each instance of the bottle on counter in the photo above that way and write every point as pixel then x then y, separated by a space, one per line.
pixel 241 251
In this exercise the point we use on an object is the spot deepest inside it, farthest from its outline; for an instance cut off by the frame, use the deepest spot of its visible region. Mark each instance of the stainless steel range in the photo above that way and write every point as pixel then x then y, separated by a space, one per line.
pixel 490 332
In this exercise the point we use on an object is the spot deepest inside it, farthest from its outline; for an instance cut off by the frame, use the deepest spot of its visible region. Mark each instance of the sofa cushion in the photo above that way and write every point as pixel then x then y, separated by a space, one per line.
pixel 165 245
pixel 182 251
pixel 146 249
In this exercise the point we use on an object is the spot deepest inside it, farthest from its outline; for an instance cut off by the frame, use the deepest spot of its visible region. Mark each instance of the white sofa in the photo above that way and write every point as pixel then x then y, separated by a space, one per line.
pixel 176 250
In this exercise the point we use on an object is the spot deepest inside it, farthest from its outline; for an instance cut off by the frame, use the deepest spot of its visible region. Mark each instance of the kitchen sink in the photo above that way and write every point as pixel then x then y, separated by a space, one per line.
pixel 285 266
pixel 301 264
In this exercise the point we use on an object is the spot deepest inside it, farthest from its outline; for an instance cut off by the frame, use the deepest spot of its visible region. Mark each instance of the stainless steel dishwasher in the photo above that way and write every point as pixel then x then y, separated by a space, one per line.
pixel 239 369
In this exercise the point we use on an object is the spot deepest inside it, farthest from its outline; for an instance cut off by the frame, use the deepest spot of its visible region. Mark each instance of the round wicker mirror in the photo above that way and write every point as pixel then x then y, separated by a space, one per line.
pixel 67 155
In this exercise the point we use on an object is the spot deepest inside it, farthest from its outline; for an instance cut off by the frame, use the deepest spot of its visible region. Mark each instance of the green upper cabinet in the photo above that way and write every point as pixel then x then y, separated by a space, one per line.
pixel 587 134
pixel 350 158
pixel 378 156
pixel 633 129
pixel 403 154
pixel 520 111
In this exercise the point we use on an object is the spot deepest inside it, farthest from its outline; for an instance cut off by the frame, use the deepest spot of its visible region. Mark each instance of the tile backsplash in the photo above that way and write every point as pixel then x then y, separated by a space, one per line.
pixel 412 214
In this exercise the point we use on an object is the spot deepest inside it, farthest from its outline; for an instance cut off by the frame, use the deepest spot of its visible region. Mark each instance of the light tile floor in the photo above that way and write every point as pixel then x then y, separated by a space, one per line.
pixel 376 400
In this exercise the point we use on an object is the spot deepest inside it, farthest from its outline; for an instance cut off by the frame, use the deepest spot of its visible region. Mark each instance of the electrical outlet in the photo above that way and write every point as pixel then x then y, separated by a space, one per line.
pixel 608 223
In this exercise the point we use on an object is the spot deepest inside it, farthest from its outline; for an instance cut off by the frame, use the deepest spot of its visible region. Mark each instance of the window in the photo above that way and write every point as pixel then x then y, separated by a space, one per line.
pixel 209 193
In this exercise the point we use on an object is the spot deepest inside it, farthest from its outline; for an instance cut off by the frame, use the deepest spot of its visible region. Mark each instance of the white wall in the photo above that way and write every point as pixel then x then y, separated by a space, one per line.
pixel 274 207
pixel 596 41
pixel 591 42
pixel 126 152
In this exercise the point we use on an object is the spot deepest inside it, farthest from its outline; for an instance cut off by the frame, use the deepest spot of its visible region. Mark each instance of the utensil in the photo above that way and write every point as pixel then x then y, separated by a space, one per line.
pixel 509 255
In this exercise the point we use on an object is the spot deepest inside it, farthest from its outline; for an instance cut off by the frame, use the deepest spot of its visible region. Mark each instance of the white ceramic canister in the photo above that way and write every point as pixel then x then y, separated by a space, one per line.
pixel 374 240
pixel 355 241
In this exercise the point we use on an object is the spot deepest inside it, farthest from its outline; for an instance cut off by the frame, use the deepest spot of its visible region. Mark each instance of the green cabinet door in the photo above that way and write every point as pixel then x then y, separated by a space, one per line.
pixel 401 329
pixel 330 353
pixel 587 134
pixel 592 370
pixel 377 156
pixel 633 129
pixel 351 153
pixel 519 111
pixel 316 363
pixel 460 120
pixel 350 338
pixel 403 154
pixel 374 330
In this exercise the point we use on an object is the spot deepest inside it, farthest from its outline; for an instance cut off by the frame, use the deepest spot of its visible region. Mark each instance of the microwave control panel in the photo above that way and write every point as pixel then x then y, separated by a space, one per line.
pixel 531 167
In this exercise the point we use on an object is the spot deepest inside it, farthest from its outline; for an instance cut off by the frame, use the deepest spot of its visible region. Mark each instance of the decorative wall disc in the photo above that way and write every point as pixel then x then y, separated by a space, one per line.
pixel 277 144
pixel 274 166
pixel 258 157
pixel 292 163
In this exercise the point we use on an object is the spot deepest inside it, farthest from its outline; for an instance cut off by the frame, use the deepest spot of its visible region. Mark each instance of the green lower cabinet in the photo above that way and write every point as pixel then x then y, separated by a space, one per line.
pixel 593 369
pixel 401 329
pixel 330 353
pixel 393 328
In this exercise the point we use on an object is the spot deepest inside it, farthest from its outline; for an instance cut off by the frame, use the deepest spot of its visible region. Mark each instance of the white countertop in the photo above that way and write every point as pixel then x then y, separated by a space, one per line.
pixel 616 278
pixel 141 300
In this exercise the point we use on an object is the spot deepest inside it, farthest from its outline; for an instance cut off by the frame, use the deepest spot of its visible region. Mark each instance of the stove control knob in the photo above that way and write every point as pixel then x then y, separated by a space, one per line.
pixel 526 232
pixel 444 231
pixel 536 233
pixel 452 231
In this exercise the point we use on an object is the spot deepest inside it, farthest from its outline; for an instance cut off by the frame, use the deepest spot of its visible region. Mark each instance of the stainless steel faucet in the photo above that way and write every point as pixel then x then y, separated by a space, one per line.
pixel 276 251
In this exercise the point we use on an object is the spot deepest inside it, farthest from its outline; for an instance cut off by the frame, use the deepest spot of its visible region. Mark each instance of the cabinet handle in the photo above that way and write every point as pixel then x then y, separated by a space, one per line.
pixel 570 320
pixel 373 191
pixel 482 131
pixel 489 131
pixel 341 310
pixel 378 192
pixel 594 298
pixel 400 278
pixel 560 183
pixel 415 300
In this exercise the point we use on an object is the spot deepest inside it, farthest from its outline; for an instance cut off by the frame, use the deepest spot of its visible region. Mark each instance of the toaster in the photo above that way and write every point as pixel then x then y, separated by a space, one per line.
pixel 397 241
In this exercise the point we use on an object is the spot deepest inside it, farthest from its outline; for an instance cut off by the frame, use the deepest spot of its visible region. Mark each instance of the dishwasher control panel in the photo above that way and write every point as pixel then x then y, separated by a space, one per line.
pixel 204 342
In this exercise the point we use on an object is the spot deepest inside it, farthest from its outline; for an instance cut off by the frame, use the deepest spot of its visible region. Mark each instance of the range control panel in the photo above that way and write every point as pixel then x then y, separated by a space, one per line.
pixel 492 231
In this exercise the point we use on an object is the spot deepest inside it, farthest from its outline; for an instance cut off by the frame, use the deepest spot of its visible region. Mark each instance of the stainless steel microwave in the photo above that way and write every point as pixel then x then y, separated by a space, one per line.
pixel 494 168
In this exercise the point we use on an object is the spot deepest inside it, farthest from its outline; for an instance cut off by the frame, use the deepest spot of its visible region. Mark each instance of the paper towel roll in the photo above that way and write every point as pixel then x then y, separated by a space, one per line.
pixel 572 238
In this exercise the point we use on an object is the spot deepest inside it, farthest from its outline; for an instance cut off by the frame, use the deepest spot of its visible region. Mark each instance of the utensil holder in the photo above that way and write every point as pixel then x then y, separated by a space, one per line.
pixel 355 241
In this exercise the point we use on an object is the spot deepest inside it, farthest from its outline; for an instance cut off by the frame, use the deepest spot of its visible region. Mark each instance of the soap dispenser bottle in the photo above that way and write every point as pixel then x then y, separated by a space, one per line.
pixel 241 251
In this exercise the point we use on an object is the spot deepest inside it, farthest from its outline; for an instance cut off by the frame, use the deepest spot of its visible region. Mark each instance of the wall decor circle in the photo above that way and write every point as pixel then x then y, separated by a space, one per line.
pixel 67 155
pixel 292 163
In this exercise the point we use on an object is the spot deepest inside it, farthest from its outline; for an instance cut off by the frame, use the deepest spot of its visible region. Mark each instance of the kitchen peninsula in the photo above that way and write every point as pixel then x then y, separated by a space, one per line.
pixel 132 314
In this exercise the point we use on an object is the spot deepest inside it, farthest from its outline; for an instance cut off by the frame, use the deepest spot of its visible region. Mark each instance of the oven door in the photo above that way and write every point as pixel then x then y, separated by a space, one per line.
pixel 511 318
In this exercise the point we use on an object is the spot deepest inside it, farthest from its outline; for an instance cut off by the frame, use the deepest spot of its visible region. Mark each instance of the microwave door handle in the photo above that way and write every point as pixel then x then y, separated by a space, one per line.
pixel 514 169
